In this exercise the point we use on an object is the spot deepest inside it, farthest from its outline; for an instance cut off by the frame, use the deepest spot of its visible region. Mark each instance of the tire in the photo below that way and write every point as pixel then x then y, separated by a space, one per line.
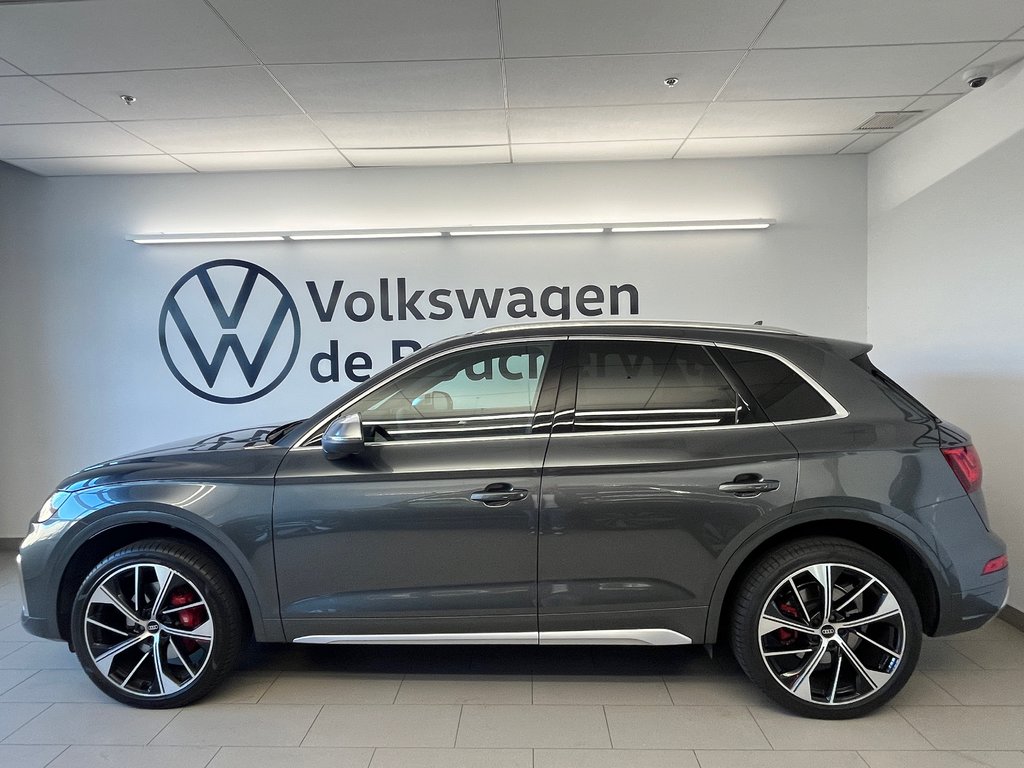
pixel 157 624
pixel 832 667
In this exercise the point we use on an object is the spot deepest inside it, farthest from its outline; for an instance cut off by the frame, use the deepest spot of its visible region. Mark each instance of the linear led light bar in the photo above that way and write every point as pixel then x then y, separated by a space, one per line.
pixel 693 226
pixel 160 239
pixel 527 231
pixel 506 231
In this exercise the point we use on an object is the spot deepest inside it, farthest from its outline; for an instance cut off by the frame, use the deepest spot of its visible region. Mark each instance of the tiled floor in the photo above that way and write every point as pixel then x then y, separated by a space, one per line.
pixel 504 707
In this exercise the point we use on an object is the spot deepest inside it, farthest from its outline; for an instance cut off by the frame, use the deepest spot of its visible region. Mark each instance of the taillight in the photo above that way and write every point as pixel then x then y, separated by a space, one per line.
pixel 995 564
pixel 966 465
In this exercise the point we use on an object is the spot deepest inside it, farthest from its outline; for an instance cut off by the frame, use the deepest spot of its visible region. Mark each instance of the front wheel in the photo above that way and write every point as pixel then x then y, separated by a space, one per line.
pixel 156 624
pixel 826 628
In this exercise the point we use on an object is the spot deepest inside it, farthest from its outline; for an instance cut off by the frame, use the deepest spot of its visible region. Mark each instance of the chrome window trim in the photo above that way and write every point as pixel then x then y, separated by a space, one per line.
pixel 840 411
pixel 470 344
pixel 644 636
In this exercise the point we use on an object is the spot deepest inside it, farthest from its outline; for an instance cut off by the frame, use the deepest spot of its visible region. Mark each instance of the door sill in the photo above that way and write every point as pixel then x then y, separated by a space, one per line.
pixel 648 636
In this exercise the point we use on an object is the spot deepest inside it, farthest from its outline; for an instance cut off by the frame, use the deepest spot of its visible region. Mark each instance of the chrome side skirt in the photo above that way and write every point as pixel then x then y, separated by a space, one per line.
pixel 577 637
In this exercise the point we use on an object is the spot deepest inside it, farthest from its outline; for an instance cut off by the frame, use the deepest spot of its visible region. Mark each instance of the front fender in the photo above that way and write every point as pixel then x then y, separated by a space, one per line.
pixel 233 519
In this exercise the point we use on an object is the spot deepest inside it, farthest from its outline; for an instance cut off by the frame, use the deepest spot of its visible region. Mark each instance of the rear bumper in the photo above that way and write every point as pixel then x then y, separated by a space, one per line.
pixel 969 610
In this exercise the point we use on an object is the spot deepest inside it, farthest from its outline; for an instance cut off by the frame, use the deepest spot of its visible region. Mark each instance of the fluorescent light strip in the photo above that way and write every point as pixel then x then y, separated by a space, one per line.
pixel 478 232
pixel 697 226
pixel 363 235
pixel 355 234
pixel 204 239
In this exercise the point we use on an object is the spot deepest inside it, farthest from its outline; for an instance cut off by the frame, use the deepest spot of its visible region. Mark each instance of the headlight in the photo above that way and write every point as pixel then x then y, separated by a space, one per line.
pixel 51 505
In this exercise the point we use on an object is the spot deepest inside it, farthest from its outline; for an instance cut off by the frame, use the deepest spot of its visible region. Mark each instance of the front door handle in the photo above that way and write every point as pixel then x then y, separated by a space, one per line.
pixel 498 495
pixel 749 485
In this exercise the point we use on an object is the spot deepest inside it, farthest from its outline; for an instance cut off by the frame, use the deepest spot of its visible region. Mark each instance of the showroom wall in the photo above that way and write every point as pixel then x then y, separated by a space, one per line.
pixel 84 376
pixel 946 280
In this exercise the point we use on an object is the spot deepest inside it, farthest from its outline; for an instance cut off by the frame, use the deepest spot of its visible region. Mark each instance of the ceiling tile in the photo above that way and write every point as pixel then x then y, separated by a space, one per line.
pixel 364 30
pixel 207 162
pixel 69 140
pixel 764 145
pixel 428 156
pixel 869 142
pixel 933 102
pixel 110 35
pixel 87 166
pixel 207 92
pixel 790 118
pixel 576 124
pixel 577 27
pixel 8 69
pixel 999 57
pixel 26 100
pixel 594 150
pixel 394 86
pixel 415 129
pixel 813 73
pixel 230 134
pixel 582 81
pixel 881 22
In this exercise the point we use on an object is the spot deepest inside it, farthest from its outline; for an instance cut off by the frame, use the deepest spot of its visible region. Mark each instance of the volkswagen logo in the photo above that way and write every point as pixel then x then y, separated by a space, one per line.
pixel 229 331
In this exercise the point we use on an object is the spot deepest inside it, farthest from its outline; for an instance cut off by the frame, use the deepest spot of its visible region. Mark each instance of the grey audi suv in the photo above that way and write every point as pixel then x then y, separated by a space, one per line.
pixel 574 483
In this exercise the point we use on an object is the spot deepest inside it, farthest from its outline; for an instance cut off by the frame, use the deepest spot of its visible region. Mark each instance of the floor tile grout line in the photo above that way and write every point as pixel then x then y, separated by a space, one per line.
pixel 904 719
pixel 941 687
pixel 462 708
pixel 373 754
pixel 607 726
pixel 763 734
pixel 311 724
pixel 213 756
pixel 31 719
pixel 180 710
pixel 55 757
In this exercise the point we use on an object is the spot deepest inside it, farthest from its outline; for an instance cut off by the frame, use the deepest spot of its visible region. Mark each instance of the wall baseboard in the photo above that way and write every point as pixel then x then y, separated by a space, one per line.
pixel 1013 617
pixel 9 545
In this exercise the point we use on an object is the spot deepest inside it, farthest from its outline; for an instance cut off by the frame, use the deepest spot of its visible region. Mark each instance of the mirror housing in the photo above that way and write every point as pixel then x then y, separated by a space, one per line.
pixel 343 437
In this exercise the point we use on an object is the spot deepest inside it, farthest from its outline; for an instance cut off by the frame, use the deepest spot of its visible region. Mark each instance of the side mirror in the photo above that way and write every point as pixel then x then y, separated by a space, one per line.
pixel 343 437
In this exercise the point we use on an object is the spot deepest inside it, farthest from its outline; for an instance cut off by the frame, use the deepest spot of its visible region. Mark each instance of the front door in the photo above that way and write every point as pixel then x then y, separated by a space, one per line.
pixel 432 528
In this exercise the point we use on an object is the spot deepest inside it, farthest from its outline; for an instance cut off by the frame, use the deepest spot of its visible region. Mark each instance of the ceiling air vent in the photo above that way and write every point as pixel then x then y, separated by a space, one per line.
pixel 886 121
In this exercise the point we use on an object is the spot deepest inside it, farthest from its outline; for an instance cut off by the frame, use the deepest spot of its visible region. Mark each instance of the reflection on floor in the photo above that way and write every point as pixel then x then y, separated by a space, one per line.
pixel 498 707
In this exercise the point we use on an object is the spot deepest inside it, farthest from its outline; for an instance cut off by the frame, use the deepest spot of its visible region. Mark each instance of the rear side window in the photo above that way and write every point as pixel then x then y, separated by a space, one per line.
pixel 651 385
pixel 781 392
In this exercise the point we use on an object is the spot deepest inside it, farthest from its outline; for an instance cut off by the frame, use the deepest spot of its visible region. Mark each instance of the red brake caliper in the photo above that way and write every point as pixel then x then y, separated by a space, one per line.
pixel 786 636
pixel 188 618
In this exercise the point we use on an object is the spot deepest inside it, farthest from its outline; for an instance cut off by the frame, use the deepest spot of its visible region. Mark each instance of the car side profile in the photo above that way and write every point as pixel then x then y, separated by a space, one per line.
pixel 651 483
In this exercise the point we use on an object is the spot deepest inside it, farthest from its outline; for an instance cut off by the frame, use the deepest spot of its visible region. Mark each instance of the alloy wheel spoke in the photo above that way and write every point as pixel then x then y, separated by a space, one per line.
pixel 855 595
pixel 130 675
pixel 887 609
pixel 105 659
pixel 104 596
pixel 835 679
pixel 165 682
pixel 802 685
pixel 172 645
pixel 875 678
pixel 177 608
pixel 164 576
pixel 822 573
pixel 890 651
pixel 107 627
pixel 800 600
pixel 202 633
pixel 769 624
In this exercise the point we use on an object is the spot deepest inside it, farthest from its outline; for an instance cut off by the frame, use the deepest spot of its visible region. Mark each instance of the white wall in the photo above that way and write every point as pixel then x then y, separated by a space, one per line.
pixel 946 281
pixel 83 375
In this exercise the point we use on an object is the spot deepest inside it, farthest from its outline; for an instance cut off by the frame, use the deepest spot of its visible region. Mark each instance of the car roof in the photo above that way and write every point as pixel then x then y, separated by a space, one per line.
pixel 627 325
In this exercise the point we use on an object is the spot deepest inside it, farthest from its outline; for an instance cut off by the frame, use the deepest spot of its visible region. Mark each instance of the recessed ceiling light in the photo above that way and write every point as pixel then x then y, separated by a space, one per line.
pixel 671 82
pixel 127 98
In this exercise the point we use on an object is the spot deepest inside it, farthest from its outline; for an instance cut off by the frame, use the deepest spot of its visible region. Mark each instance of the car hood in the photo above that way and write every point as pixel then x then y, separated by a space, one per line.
pixel 242 453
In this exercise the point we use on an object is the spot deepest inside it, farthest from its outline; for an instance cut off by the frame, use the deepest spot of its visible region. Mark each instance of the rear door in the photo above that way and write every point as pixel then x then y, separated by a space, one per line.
pixel 657 467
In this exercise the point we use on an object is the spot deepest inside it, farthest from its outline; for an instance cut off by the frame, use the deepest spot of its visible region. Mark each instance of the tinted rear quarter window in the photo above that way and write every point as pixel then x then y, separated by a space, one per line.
pixel 781 392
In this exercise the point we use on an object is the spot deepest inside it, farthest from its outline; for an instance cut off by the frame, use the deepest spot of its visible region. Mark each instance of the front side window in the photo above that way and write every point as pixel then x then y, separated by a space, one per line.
pixel 483 392
pixel 651 385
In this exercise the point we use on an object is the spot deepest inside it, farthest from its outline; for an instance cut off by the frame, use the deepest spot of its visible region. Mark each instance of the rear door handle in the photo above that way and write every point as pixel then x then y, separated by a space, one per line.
pixel 749 485
pixel 498 495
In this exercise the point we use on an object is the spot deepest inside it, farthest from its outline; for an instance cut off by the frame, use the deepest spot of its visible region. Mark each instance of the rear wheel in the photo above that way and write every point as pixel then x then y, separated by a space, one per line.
pixel 826 628
pixel 157 624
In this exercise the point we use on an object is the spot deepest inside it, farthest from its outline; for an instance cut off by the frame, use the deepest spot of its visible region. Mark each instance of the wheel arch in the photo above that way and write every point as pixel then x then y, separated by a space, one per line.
pixel 886 538
pixel 117 531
